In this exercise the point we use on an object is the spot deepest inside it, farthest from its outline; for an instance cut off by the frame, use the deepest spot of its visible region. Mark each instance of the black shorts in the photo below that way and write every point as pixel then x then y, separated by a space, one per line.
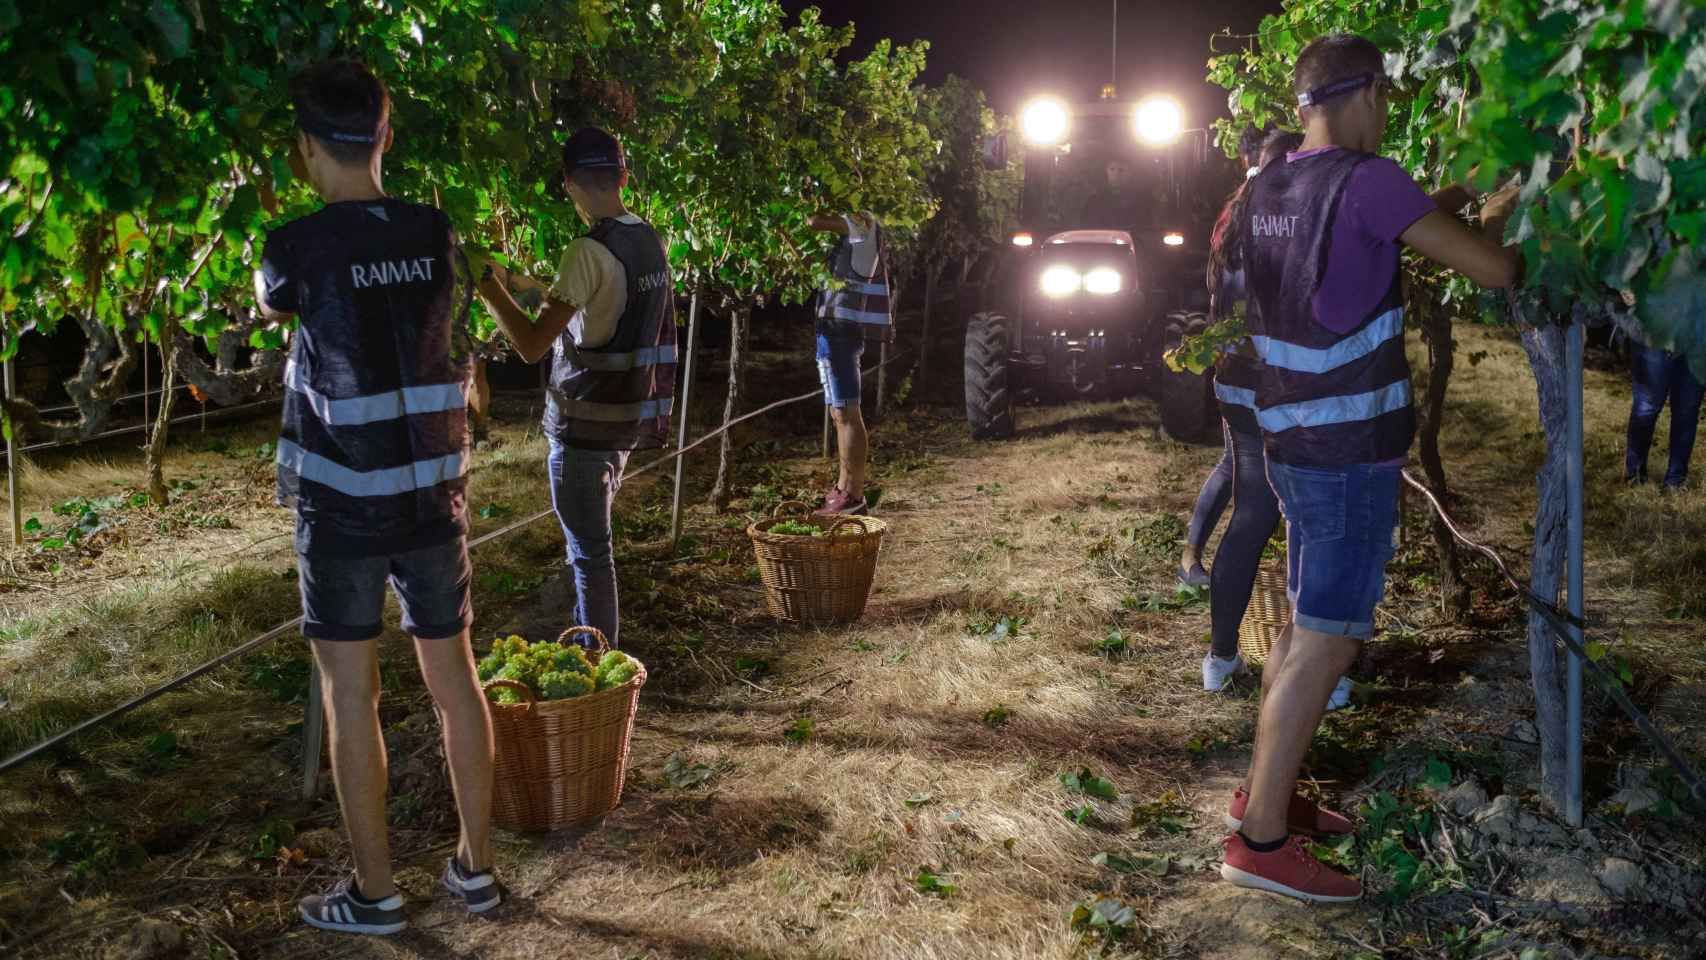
pixel 343 597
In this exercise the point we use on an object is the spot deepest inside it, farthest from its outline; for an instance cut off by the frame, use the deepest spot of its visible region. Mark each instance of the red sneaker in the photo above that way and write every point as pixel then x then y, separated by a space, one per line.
pixel 1302 816
pixel 838 502
pixel 1291 870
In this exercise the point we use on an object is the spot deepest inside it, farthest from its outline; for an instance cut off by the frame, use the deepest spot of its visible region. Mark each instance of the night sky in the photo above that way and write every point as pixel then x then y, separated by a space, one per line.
pixel 1016 49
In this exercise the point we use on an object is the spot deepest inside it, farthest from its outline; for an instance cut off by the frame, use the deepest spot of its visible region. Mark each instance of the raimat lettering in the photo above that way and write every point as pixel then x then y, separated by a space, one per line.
pixel 386 272
pixel 1273 225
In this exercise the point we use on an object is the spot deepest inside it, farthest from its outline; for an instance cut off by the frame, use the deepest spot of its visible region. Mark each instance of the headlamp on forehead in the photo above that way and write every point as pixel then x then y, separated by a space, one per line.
pixel 1339 88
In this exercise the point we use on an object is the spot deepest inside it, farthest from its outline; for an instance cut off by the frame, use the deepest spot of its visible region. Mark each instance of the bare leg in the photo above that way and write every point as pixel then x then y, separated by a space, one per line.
pixel 854 444
pixel 448 666
pixel 1294 701
pixel 349 678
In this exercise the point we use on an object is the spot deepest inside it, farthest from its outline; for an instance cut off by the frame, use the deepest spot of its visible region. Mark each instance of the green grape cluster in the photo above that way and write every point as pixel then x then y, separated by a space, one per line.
pixel 795 528
pixel 553 671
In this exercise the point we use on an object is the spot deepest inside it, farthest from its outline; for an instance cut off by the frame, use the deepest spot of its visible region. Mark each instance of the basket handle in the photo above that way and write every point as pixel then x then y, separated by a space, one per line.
pixel 804 507
pixel 526 691
pixel 567 637
pixel 840 521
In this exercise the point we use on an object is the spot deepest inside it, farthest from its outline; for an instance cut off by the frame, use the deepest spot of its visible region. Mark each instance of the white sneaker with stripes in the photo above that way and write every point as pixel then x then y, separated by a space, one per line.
pixel 344 910
pixel 479 891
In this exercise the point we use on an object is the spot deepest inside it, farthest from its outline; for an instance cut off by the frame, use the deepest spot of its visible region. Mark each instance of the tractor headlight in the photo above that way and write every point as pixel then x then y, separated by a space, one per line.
pixel 1044 121
pixel 1103 280
pixel 1160 120
pixel 1061 281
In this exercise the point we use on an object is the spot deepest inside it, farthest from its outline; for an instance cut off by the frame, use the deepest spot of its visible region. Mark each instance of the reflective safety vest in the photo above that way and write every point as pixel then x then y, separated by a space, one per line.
pixel 1324 398
pixel 618 396
pixel 373 447
pixel 862 299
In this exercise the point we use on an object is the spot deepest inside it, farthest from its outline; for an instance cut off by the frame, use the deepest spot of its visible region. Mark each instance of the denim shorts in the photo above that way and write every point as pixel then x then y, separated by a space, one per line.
pixel 343 597
pixel 838 368
pixel 1339 525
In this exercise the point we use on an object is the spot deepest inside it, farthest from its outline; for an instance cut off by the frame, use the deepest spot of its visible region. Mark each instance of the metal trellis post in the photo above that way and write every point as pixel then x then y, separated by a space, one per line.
pixel 1573 497
pixel 12 471
pixel 681 413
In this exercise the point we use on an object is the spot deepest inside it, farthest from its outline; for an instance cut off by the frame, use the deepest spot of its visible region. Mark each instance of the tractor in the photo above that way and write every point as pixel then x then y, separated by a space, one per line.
pixel 1106 269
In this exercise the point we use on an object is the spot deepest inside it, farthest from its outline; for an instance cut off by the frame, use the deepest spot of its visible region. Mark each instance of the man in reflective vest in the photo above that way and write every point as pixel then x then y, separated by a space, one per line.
pixel 609 325
pixel 854 308
pixel 373 455
pixel 1321 234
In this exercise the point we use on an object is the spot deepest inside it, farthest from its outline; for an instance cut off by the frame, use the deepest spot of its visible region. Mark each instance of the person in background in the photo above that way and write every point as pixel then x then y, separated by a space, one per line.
pixel 1216 490
pixel 1255 512
pixel 855 308
pixel 1658 375
pixel 608 323
pixel 1321 235
pixel 1117 203
pixel 373 456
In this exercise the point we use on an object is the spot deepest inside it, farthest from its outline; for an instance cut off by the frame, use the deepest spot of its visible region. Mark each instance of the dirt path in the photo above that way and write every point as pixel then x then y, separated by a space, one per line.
pixel 1024 626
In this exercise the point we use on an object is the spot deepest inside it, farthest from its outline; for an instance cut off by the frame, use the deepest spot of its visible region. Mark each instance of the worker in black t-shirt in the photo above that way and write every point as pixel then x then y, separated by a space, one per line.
pixel 373 456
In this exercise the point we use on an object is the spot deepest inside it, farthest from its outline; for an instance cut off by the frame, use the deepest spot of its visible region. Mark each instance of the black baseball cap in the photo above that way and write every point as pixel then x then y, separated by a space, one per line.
pixel 591 148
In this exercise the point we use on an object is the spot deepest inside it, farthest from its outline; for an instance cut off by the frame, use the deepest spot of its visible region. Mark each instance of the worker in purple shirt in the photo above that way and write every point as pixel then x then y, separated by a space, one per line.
pixel 1321 235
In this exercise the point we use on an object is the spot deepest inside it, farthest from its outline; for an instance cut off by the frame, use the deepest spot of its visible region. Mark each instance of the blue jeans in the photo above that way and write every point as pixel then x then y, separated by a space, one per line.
pixel 1338 529
pixel 583 486
pixel 838 368
pixel 1211 502
pixel 1659 375
pixel 1255 514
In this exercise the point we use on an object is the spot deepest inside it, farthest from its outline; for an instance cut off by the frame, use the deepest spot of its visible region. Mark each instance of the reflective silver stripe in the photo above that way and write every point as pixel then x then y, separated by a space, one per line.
pixel 1279 353
pixel 420 475
pixel 1331 410
pixel 617 362
pixel 861 286
pixel 354 411
pixel 1237 396
pixel 614 412
pixel 861 316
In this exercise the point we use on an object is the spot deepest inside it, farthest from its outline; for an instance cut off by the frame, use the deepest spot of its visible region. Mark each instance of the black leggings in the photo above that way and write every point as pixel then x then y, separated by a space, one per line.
pixel 1255 516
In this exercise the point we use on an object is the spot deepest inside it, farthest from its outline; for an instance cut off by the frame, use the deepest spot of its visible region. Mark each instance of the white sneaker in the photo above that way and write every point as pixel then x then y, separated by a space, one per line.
pixel 1341 697
pixel 1217 674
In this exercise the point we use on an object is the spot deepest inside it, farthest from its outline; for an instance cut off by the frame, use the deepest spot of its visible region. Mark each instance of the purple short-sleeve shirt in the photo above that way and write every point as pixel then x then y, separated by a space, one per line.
pixel 1381 201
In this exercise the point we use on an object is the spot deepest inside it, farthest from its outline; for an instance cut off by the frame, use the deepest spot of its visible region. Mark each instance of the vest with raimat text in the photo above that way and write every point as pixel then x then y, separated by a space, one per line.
pixel 1324 399
pixel 618 396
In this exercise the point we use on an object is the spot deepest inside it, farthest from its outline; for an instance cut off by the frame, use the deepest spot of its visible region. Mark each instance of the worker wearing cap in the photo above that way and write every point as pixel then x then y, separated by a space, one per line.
pixel 609 325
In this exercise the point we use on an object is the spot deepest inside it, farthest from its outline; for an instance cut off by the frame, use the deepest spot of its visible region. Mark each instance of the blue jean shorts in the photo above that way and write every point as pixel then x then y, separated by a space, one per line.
pixel 838 368
pixel 343 597
pixel 1339 524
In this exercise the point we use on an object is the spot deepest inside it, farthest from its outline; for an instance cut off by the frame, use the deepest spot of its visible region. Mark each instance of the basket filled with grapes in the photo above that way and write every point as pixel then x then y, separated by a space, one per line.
pixel 561 721
pixel 816 570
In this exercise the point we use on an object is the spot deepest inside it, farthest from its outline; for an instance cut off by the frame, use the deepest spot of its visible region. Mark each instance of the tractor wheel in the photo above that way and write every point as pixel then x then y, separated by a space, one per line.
pixel 989 400
pixel 1187 399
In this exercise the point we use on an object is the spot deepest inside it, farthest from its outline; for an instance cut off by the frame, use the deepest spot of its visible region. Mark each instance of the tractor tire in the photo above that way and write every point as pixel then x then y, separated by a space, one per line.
pixel 989 398
pixel 1188 408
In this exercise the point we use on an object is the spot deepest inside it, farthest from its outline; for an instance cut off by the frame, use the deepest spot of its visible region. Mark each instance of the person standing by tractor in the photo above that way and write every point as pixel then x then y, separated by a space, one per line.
pixel 854 308
pixel 609 325
pixel 373 456
pixel 1321 236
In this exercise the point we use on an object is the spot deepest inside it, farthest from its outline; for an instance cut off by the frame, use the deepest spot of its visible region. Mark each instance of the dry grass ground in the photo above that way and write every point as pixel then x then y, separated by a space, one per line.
pixel 1023 627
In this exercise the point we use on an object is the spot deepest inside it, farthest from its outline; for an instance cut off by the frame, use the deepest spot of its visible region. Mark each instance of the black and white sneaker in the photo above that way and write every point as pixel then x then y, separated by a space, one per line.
pixel 344 910
pixel 479 891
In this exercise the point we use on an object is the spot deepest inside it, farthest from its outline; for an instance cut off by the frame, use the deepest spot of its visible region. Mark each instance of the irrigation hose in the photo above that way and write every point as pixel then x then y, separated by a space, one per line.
pixel 1559 623
pixel 28 753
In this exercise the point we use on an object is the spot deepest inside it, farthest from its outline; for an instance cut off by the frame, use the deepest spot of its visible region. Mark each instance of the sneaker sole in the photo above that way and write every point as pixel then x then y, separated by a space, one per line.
pixel 376 929
pixel 1234 824
pixel 1240 878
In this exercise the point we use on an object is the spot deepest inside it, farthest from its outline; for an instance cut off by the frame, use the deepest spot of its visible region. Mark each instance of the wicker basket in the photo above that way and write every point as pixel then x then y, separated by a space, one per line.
pixel 562 762
pixel 817 579
pixel 1267 614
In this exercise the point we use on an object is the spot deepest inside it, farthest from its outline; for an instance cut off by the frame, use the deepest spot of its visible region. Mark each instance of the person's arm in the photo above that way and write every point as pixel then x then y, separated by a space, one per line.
pixel 829 224
pixel 275 287
pixel 1477 255
pixel 532 338
pixel 1453 198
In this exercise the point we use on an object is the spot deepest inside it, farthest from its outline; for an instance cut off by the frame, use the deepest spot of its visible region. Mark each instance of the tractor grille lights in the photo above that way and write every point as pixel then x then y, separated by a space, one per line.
pixel 1063 281
pixel 1044 121
pixel 1102 280
pixel 1173 238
